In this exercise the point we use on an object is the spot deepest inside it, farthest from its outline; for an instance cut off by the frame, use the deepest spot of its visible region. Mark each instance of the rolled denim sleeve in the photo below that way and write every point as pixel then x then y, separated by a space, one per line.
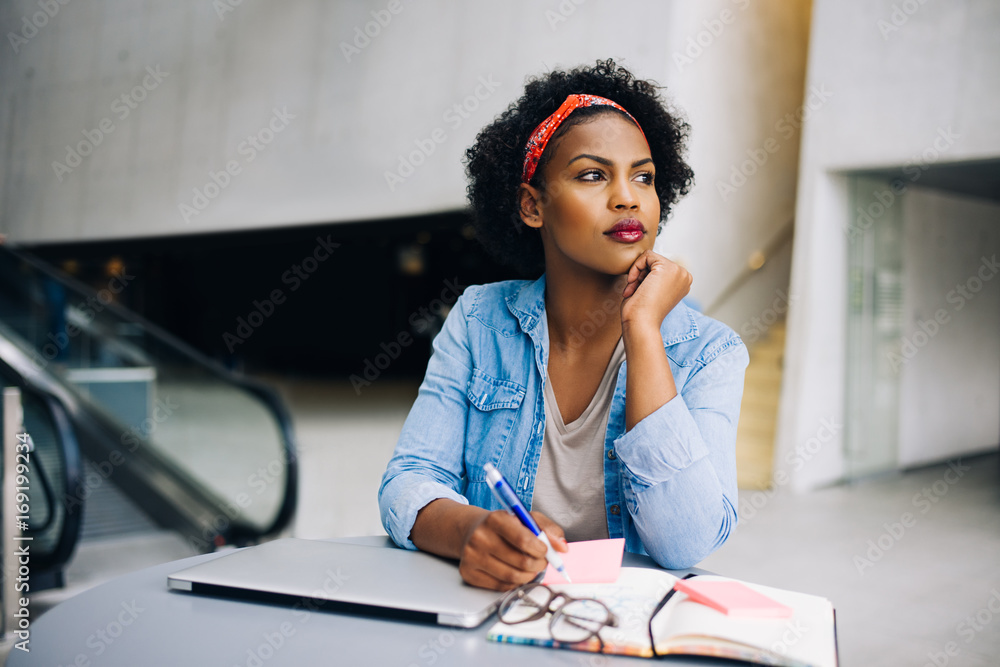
pixel 679 464
pixel 427 463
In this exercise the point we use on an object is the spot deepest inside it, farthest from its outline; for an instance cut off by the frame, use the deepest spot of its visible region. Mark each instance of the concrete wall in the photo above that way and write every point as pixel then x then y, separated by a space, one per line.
pixel 743 92
pixel 903 88
pixel 358 105
pixel 949 366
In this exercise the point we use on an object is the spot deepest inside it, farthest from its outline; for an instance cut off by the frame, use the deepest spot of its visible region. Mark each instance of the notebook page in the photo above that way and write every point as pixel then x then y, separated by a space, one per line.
pixel 632 599
pixel 805 638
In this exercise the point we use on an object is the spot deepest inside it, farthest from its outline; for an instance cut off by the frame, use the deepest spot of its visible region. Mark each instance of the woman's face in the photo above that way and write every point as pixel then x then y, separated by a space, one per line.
pixel 598 178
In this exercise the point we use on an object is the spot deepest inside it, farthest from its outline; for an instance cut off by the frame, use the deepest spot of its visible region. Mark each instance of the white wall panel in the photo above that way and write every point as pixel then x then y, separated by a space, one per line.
pixel 949 366
pixel 893 92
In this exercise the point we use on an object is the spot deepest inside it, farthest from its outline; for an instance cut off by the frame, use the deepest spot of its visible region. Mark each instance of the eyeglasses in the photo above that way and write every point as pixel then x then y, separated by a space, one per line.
pixel 573 620
pixel 659 607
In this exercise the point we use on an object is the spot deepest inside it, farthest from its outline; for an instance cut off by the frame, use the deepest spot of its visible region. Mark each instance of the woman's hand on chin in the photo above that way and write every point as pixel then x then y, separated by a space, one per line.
pixel 655 286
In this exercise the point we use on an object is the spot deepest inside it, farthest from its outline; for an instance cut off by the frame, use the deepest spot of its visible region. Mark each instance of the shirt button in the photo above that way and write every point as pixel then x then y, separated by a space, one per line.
pixel 615 510
pixel 611 454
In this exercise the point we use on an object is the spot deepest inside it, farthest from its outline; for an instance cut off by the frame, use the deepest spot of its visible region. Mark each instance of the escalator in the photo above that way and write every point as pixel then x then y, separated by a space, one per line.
pixel 111 399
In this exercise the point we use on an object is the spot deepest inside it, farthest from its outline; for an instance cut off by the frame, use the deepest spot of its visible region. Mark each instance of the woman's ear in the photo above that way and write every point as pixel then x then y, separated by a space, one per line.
pixel 528 199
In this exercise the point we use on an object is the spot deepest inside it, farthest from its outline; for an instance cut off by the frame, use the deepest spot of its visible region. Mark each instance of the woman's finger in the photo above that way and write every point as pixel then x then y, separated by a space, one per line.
pixel 516 535
pixel 503 549
pixel 640 262
pixel 476 576
pixel 500 573
pixel 641 268
pixel 555 532
pixel 517 559
pixel 633 285
pixel 510 574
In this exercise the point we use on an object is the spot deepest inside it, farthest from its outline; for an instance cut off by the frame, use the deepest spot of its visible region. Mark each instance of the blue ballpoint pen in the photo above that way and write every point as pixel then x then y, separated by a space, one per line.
pixel 505 494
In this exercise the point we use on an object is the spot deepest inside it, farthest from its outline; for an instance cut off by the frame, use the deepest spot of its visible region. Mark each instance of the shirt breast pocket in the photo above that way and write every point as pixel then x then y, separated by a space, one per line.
pixel 494 410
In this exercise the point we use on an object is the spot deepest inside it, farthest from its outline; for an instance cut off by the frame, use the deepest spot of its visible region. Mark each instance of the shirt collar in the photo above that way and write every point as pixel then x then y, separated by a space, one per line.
pixel 528 306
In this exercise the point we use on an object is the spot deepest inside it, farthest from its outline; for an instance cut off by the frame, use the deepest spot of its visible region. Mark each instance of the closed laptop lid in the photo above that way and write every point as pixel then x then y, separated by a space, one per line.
pixel 315 574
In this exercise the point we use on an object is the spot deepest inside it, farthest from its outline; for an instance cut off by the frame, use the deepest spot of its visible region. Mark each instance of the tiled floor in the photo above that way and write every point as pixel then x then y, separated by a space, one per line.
pixel 904 608
pixel 345 440
pixel 902 592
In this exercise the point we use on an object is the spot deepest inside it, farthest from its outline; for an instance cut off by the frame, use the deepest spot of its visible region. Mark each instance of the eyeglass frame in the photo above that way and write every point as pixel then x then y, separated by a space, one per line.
pixel 518 593
pixel 656 610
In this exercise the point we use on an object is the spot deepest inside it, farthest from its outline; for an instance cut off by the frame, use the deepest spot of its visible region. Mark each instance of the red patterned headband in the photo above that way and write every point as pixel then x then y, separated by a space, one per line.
pixel 540 137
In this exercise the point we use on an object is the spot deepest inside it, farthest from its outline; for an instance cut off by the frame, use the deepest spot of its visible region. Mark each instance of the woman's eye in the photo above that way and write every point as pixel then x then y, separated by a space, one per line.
pixel 593 175
pixel 646 177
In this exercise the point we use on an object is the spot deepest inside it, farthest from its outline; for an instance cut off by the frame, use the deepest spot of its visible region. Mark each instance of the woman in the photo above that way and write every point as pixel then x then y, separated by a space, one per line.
pixel 574 179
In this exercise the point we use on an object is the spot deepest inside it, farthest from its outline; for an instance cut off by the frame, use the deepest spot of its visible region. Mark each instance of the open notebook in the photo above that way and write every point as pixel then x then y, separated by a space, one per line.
pixel 685 627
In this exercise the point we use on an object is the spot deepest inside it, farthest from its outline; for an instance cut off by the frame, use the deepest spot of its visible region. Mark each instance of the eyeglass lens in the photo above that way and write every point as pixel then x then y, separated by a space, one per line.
pixel 525 604
pixel 579 620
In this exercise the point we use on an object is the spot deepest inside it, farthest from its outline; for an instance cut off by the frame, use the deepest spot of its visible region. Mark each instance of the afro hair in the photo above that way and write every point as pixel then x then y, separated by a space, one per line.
pixel 494 162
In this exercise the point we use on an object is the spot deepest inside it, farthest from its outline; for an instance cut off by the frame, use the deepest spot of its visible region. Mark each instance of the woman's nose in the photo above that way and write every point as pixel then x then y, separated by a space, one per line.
pixel 623 196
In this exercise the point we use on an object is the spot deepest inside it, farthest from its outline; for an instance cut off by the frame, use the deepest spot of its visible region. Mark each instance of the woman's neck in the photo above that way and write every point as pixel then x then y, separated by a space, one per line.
pixel 582 307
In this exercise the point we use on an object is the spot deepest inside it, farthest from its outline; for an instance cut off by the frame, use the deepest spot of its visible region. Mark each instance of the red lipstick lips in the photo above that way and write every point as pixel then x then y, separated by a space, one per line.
pixel 628 230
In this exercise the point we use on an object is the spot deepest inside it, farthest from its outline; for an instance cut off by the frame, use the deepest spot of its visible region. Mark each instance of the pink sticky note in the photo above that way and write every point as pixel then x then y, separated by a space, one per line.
pixel 732 598
pixel 589 562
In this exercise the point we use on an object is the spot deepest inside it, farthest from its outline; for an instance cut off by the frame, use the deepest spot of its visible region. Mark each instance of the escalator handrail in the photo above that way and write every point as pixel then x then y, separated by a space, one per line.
pixel 262 391
pixel 191 508
pixel 72 516
pixel 69 534
pixel 164 336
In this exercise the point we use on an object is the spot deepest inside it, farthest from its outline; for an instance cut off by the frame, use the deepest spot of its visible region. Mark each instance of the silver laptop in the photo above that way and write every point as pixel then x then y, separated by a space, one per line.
pixel 336 576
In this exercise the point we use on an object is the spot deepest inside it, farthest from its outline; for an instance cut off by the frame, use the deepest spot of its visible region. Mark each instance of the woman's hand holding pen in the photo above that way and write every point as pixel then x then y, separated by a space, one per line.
pixel 500 553
pixel 494 549
pixel 655 285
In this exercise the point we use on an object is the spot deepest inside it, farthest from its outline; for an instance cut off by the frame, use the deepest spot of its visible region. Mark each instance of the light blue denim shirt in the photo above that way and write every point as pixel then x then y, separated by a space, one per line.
pixel 669 482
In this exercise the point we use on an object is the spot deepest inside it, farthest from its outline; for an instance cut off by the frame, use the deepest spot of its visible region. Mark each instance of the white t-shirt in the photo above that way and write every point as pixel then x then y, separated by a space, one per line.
pixel 569 483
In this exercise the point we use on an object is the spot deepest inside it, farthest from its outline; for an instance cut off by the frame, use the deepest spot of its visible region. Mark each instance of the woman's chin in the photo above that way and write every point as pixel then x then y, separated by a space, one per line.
pixel 617 269
pixel 624 262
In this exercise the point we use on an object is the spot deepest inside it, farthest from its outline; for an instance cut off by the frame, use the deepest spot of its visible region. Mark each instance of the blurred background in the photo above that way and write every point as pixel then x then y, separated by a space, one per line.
pixel 232 229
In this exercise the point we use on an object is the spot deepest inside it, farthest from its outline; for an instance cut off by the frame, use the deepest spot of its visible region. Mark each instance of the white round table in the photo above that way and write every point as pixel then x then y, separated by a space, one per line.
pixel 135 621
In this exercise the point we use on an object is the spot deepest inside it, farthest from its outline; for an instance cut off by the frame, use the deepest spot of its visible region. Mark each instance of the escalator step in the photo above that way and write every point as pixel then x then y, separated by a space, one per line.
pixel 109 513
